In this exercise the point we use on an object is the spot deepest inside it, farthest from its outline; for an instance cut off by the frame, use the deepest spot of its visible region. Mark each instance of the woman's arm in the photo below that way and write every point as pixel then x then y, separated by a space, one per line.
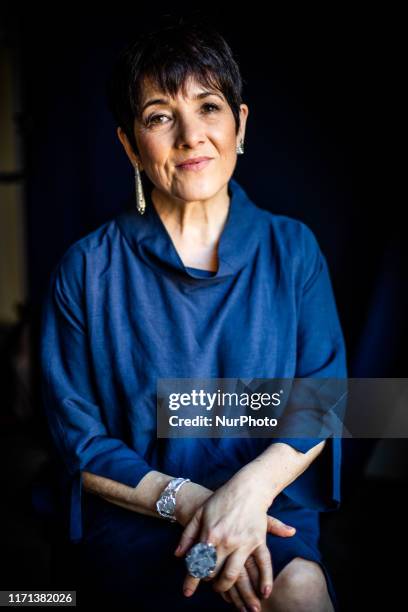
pixel 278 466
pixel 143 497
pixel 287 463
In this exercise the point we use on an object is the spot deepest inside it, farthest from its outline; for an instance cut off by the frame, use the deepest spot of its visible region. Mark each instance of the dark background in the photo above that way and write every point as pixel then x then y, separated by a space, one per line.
pixel 319 88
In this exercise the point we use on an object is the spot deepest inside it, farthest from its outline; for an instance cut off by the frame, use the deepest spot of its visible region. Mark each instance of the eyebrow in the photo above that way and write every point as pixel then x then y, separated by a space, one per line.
pixel 199 96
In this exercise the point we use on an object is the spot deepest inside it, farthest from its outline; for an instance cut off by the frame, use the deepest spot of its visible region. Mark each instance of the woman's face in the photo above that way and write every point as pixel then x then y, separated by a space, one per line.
pixel 176 129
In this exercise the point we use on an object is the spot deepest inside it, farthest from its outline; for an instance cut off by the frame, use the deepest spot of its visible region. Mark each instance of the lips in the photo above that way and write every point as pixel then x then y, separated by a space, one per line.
pixel 193 160
pixel 195 166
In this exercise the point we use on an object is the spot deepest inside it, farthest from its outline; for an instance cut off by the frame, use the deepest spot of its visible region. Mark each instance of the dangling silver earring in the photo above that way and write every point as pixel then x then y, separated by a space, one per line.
pixel 240 147
pixel 140 199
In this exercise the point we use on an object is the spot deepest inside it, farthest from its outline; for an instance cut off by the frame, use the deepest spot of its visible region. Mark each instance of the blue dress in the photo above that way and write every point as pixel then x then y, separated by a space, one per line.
pixel 120 312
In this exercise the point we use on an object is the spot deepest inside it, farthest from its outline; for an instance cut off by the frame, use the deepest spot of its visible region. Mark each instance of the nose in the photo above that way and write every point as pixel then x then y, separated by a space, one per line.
pixel 190 132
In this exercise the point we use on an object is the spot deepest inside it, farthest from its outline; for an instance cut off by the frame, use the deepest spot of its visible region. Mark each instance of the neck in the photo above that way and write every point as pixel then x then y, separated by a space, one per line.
pixel 199 221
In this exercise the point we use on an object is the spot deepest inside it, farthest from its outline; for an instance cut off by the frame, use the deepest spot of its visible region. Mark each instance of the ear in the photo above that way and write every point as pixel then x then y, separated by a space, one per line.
pixel 134 159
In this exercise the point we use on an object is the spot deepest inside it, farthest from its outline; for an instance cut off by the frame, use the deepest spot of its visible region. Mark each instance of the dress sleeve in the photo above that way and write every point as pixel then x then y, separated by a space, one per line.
pixel 320 354
pixel 71 409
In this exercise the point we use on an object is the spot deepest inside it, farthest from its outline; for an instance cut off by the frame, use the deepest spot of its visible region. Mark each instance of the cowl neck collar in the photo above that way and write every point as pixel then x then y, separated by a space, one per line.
pixel 149 238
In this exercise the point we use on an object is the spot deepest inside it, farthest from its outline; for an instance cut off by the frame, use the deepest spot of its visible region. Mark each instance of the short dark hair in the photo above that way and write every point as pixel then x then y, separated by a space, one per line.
pixel 167 56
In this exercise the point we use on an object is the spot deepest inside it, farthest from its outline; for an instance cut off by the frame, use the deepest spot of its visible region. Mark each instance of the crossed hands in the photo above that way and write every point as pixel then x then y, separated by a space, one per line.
pixel 234 519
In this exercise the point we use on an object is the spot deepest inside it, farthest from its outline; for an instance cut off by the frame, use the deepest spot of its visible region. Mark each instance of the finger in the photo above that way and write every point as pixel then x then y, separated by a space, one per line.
pixel 235 598
pixel 231 570
pixel 189 534
pixel 253 573
pixel 277 527
pixel 190 585
pixel 246 591
pixel 263 560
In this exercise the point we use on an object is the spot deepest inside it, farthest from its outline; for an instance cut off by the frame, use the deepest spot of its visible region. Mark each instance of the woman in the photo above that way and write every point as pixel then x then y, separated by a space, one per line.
pixel 194 281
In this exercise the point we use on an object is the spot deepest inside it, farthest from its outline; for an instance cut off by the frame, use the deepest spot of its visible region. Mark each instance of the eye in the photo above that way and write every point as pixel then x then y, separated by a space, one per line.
pixel 154 119
pixel 209 104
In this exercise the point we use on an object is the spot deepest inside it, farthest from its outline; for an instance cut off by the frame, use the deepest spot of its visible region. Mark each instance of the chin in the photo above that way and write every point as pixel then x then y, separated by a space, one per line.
pixel 200 189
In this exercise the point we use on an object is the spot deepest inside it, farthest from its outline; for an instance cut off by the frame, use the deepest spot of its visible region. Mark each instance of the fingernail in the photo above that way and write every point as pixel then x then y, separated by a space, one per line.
pixel 289 527
pixel 254 608
pixel 267 591
pixel 188 592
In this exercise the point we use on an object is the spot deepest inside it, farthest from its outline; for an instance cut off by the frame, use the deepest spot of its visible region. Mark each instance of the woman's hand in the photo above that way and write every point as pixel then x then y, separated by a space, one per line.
pixel 246 590
pixel 234 519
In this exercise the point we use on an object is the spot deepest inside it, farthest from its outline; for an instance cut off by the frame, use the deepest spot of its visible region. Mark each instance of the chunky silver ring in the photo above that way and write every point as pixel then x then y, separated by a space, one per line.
pixel 201 559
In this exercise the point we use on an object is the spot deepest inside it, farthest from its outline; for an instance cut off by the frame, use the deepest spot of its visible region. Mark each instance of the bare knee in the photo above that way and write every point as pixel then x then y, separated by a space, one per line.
pixel 300 587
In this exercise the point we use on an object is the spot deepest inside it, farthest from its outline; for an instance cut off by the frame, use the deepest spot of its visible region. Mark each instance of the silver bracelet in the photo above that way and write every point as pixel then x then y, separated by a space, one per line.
pixel 166 504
